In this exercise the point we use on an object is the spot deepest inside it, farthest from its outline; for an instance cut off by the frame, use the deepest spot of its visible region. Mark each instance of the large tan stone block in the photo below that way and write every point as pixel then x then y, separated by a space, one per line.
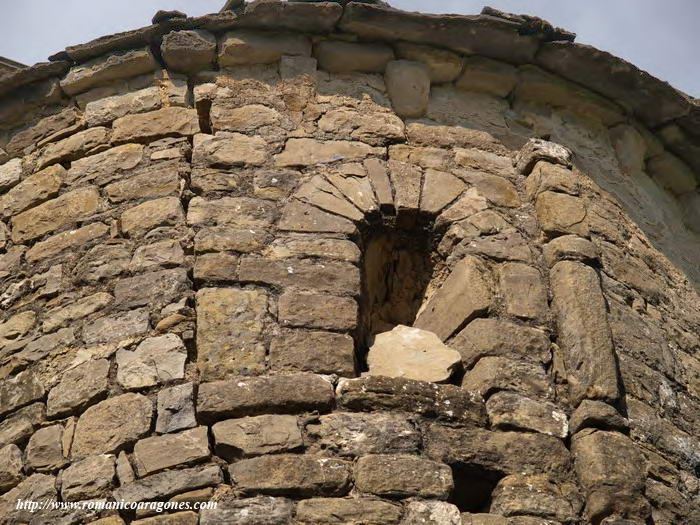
pixel 408 85
pixel 337 56
pixel 158 453
pixel 166 122
pixel 403 476
pixel 488 76
pixel 245 46
pixel 32 190
pixel 443 66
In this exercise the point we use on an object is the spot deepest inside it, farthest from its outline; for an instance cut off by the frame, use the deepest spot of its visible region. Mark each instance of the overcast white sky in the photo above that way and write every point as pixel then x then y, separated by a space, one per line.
pixel 660 36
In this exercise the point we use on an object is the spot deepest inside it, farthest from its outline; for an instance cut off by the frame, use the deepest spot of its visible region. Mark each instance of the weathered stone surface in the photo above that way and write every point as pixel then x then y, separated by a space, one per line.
pixel 536 495
pixel 351 434
pixel 261 510
pixel 138 220
pixel 412 353
pixel 49 129
pixel 332 276
pixel 584 333
pixel 18 391
pixel 491 374
pixel 219 239
pixel 443 402
pixel 165 484
pixel 328 248
pixel 406 179
pixel 16 327
pixel 122 325
pixel 107 166
pixel 90 478
pixel 317 311
pixel 307 152
pixel 160 254
pixel 470 203
pixel 524 292
pixel 33 190
pixel 432 513
pixel 350 511
pixel 10 467
pixel 161 287
pixel 552 177
pixel 292 475
pixel 189 51
pixel 249 396
pixel 237 211
pixel 125 472
pixel 103 70
pixel 610 469
pixel 561 213
pixel 45 449
pixel 104 110
pixel 226 149
pixel 439 189
pixel 230 326
pixel 488 76
pixel 374 127
pixel 79 387
pixel 536 150
pixel 77 310
pixel 494 450
pixel 166 122
pixel 408 85
pixel 493 337
pixel 340 57
pixel 245 46
pixel 321 193
pixel 255 436
pixel 443 66
pixel 155 361
pixel 301 217
pixel 10 173
pixel 37 487
pixel 176 408
pixel 295 66
pixel 19 426
pixel 572 248
pixel 157 453
pixel 465 294
pixel 403 476
pixel 112 424
pixel 508 410
pixel 155 182
pixel 77 145
pixel 596 414
pixel 215 267
pixel 176 518
pixel 69 208
pixel 313 351
pixel 672 173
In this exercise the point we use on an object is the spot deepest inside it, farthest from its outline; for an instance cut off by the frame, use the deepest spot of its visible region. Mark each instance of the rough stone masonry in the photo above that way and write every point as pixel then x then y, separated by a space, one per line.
pixel 336 263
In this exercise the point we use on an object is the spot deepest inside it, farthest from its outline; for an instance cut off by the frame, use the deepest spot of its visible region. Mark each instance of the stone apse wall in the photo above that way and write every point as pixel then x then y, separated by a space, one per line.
pixel 205 222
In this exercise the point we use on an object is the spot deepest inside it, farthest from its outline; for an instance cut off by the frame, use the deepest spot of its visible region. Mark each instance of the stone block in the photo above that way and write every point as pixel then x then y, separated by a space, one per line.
pixel 297 216
pixel 465 294
pixel 584 332
pixel 78 388
pixel 523 290
pixel 333 277
pixel 536 150
pixel 570 248
pixel 494 337
pixel 288 474
pixel 408 85
pixel 48 129
pixel 112 424
pixel 75 146
pixel 189 51
pixel 53 319
pixel 221 238
pixel 155 361
pixel 122 325
pixel 16 327
pixel 165 122
pixel 75 206
pixel 328 511
pixel 322 194
pixel 536 495
pixel 356 434
pixel 176 408
pixel 341 57
pixel 152 288
pixel 551 177
pixel 229 332
pixel 508 410
pixel 90 478
pixel 45 449
pixel 18 391
pixel 470 203
pixel 494 188
pixel 215 267
pixel 596 414
pixel 432 513
pixel 274 184
pixel 308 152
pixel 261 510
pixel 245 46
pixel 138 220
pixel 296 66
pixel 672 173
pixel 11 465
pixel 255 436
pixel 317 311
pixel 158 453
pixel 10 173
pixel 442 402
pixel 103 111
pixel 165 484
pixel 561 213
pixel 491 374
pixel 439 189
pixel 242 212
pixel 403 476
pixel 164 254
pixel 33 190
pixel 250 396
pixel 313 351
pixel 226 149
pixel 487 76
pixel 37 487
pixel 371 127
pixel 159 181
pixel 103 70
pixel 244 119
pixel 19 426
pixel 443 66
pixel 312 246
pixel 105 167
